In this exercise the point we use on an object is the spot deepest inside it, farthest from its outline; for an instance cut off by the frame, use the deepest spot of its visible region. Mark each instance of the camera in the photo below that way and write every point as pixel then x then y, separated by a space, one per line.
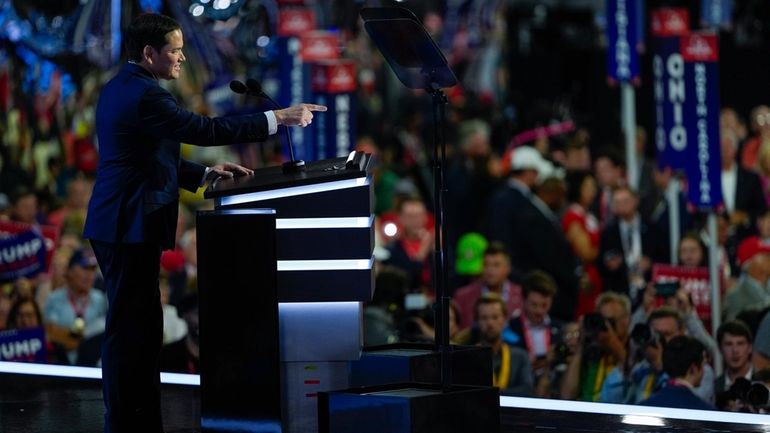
pixel 594 323
pixel 758 395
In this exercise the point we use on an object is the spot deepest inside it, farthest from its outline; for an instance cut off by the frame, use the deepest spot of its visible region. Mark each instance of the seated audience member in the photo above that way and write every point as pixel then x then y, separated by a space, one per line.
pixel 604 335
pixel 183 356
pixel 532 328
pixel 760 358
pixel 511 370
pixel 493 279
pixel 735 344
pixel 751 292
pixel 26 314
pixel 76 312
pixel 683 361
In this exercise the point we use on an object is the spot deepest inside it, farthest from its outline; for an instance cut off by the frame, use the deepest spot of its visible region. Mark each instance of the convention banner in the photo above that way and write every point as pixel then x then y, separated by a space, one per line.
pixel 622 34
pixel 25 250
pixel 334 84
pixel 716 13
pixel 700 52
pixel 293 79
pixel 694 280
pixel 23 345
pixel 668 25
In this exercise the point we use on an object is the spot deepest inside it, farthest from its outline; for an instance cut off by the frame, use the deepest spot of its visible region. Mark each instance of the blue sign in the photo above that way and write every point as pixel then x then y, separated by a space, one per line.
pixel 622 34
pixel 294 77
pixel 23 345
pixel 716 13
pixel 335 128
pixel 702 161
pixel 22 255
pixel 670 97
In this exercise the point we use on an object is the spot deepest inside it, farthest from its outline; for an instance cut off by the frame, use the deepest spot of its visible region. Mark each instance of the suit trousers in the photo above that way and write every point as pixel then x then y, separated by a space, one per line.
pixel 133 336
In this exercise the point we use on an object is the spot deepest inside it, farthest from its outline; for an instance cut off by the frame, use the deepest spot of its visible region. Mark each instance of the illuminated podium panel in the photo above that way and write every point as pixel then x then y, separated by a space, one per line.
pixel 323 266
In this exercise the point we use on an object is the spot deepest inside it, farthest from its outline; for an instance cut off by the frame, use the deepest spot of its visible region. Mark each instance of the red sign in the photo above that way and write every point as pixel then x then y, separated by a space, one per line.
pixel 670 22
pixel 694 280
pixel 295 21
pixel 318 45
pixel 700 47
pixel 334 77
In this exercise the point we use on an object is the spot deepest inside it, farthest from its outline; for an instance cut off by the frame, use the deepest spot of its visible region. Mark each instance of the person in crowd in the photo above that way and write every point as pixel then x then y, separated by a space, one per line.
pixel 751 292
pixel 684 362
pixel 24 206
pixel 603 342
pixel 741 189
pixel 577 155
pixel 645 165
pixel 493 279
pixel 133 209
pixel 412 250
pixel 582 231
pixel 532 328
pixel 511 369
pixel 730 120
pixel 735 344
pixel 763 169
pixel 76 312
pixel 628 247
pixel 24 314
pixel 504 213
pixel 75 206
pixel 471 177
pixel 692 252
pixel 608 171
pixel 760 128
pixel 183 355
pixel 760 357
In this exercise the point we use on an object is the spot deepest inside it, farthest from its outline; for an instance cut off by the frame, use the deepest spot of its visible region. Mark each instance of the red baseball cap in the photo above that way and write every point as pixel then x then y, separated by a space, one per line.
pixel 750 247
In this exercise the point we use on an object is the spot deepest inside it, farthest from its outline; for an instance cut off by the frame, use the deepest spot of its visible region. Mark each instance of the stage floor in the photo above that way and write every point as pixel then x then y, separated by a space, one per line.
pixel 40 404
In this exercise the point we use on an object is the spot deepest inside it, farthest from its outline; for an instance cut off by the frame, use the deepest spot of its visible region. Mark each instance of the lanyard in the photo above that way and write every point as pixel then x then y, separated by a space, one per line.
pixel 79 307
pixel 501 380
pixel 530 341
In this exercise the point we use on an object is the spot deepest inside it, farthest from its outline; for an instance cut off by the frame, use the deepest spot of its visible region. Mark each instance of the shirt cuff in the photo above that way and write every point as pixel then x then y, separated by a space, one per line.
pixel 205 176
pixel 272 122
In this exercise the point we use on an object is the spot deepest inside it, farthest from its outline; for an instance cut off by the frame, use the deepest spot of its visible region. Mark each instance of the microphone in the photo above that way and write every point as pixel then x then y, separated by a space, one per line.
pixel 252 87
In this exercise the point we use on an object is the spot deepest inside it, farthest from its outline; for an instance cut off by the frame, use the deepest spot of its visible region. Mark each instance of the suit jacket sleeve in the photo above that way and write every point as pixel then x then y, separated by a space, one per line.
pixel 161 116
pixel 190 174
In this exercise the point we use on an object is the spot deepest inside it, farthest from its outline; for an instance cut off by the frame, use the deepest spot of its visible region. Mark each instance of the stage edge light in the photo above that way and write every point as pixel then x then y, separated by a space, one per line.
pixel 85 372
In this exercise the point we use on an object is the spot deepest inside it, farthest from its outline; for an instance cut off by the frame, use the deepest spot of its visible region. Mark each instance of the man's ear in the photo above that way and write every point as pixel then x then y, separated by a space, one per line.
pixel 147 53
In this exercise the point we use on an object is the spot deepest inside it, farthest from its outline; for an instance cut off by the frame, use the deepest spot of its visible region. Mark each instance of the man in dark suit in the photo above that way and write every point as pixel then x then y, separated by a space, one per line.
pixel 628 246
pixel 742 192
pixel 133 209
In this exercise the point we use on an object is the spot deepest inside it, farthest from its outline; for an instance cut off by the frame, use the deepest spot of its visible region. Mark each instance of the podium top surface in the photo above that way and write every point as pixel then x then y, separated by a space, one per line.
pixel 271 178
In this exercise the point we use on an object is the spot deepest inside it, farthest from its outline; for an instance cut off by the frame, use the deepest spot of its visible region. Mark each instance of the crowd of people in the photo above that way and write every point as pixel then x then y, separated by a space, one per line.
pixel 552 252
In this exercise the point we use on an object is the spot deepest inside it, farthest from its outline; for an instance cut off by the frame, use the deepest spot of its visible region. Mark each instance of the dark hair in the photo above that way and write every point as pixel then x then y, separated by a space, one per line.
pixel 734 327
pixel 539 282
pixel 13 313
pixel 148 29
pixel 666 311
pixel 490 298
pixel 575 180
pixel 693 235
pixel 680 353
pixel 496 247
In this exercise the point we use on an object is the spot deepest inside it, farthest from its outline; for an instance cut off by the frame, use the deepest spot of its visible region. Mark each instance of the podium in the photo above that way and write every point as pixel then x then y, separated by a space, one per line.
pixel 285 262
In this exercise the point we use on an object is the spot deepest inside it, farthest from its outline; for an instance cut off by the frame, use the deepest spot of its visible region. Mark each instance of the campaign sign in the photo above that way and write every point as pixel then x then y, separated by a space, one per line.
pixel 23 345
pixel 716 13
pixel 295 21
pixel 334 84
pixel 622 57
pixel 50 235
pixel 294 89
pixel 22 256
pixel 694 280
pixel 669 86
pixel 700 52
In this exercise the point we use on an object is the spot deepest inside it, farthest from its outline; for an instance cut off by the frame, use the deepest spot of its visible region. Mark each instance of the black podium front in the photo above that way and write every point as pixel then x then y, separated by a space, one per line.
pixel 312 236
